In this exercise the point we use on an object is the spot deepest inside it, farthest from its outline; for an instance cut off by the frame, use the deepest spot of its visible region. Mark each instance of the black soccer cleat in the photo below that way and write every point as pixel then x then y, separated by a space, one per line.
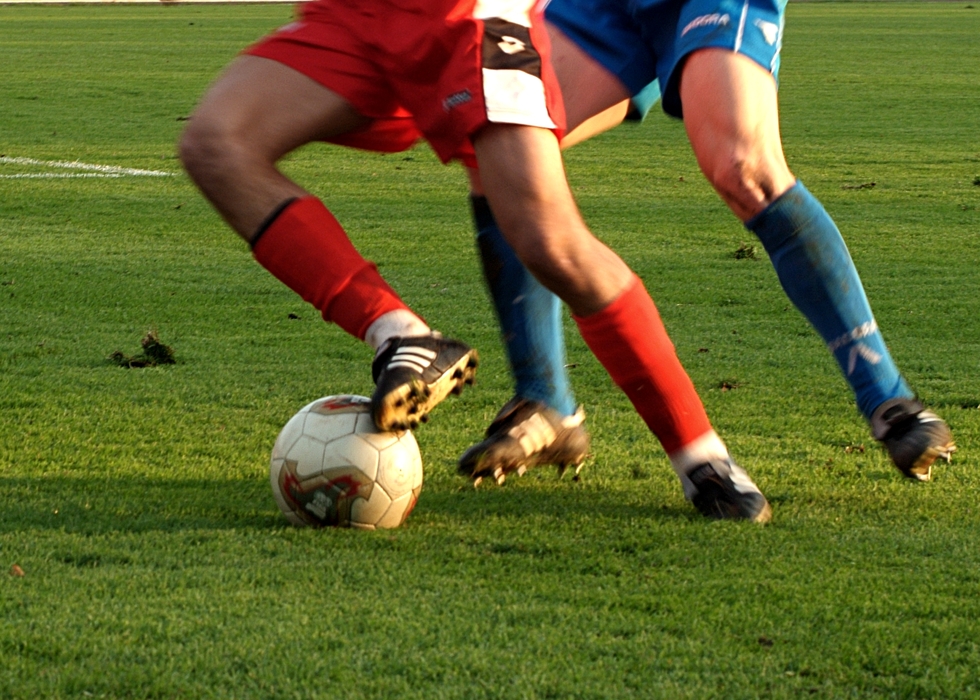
pixel 414 374
pixel 724 491
pixel 526 434
pixel 914 437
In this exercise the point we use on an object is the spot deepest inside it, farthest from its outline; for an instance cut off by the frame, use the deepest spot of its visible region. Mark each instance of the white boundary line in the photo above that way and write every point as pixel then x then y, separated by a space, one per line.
pixel 99 170
pixel 49 176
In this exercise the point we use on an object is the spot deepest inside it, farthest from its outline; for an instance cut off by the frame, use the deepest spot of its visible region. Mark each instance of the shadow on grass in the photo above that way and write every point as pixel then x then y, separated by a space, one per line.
pixel 100 505
pixel 573 503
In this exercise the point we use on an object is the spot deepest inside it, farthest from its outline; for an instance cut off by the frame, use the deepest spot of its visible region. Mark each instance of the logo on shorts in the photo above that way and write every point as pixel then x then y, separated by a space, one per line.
pixel 457 99
pixel 509 45
pixel 770 31
pixel 712 20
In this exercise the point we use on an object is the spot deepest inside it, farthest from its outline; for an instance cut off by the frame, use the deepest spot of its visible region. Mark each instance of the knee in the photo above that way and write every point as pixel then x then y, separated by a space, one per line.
pixel 548 265
pixel 748 179
pixel 196 146
pixel 208 143
pixel 558 266
pixel 732 173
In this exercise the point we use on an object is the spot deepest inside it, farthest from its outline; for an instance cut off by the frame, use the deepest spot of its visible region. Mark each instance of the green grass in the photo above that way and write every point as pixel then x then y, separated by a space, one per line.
pixel 137 504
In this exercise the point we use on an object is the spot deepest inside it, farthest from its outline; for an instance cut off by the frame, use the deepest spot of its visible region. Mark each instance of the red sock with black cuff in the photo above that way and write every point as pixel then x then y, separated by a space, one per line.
pixel 307 249
pixel 630 341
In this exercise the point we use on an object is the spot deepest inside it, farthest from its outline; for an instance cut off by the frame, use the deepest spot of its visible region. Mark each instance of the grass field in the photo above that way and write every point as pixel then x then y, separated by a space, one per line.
pixel 136 501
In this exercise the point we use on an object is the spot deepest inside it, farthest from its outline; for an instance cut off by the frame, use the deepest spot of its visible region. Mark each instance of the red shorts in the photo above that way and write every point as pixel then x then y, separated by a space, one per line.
pixel 440 69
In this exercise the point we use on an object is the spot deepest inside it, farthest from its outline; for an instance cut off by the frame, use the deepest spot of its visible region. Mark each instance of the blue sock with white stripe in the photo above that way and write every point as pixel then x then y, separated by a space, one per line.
pixel 817 273
pixel 529 315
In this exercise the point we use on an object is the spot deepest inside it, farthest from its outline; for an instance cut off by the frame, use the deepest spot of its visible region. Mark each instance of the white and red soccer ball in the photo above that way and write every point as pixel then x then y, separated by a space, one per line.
pixel 331 466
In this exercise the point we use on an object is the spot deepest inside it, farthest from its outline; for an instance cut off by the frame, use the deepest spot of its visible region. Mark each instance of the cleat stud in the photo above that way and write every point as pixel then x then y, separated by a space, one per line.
pixel 477 481
pixel 501 479
pixel 458 374
pixel 424 418
pixel 521 470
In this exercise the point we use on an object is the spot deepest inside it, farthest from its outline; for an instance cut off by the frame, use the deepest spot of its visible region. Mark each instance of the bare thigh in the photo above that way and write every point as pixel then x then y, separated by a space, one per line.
pixel 587 88
pixel 257 111
pixel 732 119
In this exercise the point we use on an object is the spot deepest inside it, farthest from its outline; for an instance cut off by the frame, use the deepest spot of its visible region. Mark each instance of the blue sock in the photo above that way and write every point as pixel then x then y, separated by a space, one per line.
pixel 529 315
pixel 818 275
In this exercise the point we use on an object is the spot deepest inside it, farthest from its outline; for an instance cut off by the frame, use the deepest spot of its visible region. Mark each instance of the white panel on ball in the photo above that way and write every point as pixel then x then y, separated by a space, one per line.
pixel 352 450
pixel 401 469
pixel 366 512
pixel 327 427
pixel 398 511
pixel 288 436
pixel 308 453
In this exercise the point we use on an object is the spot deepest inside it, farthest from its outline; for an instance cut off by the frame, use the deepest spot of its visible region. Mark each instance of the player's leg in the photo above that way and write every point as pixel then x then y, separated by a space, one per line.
pixel 541 424
pixel 516 149
pixel 731 116
pixel 256 112
pixel 523 176
pixel 529 316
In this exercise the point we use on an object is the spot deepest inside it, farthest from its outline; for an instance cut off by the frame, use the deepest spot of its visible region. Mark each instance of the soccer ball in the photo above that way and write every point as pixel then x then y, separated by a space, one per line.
pixel 331 466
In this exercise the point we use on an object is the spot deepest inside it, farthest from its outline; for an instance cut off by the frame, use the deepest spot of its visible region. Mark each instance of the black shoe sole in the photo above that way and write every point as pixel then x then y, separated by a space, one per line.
pixel 408 405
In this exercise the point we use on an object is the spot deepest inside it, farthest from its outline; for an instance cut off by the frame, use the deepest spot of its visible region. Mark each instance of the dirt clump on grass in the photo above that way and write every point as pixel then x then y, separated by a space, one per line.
pixel 154 354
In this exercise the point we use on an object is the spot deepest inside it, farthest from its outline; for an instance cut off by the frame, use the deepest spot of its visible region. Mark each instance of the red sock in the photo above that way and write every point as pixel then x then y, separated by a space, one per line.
pixel 306 248
pixel 630 341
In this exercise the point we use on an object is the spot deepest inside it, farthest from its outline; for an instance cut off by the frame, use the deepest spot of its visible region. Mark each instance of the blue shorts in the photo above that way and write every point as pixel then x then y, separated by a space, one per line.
pixel 640 41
